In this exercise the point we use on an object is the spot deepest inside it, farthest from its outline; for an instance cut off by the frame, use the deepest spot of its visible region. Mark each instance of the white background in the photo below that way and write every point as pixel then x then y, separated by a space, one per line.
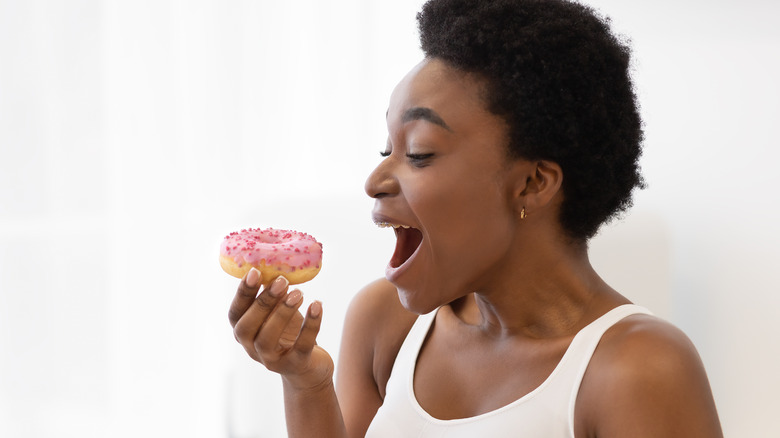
pixel 135 134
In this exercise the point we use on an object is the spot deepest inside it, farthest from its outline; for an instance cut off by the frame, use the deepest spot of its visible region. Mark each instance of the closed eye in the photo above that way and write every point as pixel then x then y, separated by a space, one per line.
pixel 384 154
pixel 419 160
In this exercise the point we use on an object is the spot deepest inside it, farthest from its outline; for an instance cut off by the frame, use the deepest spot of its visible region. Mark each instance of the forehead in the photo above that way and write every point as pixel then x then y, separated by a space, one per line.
pixel 433 84
pixel 452 99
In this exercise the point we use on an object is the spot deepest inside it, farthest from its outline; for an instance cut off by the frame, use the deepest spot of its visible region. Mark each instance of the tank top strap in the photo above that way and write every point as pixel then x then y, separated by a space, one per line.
pixel 407 354
pixel 577 357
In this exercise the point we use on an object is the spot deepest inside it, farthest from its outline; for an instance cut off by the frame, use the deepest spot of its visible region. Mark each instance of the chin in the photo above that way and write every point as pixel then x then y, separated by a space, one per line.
pixel 419 301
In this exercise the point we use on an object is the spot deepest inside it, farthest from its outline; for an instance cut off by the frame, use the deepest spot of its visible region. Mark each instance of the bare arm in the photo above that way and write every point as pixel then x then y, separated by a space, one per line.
pixel 274 333
pixel 647 380
pixel 374 329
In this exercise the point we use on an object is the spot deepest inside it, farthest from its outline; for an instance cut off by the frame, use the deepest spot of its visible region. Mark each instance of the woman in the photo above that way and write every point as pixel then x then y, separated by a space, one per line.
pixel 509 145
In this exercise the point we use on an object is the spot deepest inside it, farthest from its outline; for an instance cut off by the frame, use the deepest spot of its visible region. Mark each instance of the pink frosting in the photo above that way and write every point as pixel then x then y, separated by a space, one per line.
pixel 285 249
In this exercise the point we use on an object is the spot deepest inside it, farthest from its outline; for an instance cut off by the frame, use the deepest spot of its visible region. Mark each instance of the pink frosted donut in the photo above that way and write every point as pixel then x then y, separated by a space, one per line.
pixel 296 255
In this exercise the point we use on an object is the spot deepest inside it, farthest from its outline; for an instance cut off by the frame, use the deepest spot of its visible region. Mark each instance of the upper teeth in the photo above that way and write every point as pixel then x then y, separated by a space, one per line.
pixel 388 225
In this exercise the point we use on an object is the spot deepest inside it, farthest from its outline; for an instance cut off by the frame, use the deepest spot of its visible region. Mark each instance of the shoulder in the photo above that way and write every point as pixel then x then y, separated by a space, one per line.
pixel 374 329
pixel 377 321
pixel 376 315
pixel 646 379
pixel 641 341
pixel 379 299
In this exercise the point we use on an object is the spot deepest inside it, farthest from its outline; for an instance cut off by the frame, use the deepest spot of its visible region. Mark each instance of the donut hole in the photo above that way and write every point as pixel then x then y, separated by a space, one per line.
pixel 407 240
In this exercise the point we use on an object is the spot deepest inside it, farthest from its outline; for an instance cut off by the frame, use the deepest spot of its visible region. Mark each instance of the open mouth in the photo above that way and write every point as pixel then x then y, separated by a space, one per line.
pixel 407 240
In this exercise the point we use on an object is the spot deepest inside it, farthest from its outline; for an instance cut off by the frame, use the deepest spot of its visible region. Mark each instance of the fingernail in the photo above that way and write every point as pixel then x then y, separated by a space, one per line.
pixel 278 285
pixel 316 309
pixel 252 277
pixel 294 298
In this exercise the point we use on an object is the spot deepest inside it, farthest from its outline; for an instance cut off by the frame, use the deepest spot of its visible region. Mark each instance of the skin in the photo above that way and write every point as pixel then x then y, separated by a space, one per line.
pixel 512 292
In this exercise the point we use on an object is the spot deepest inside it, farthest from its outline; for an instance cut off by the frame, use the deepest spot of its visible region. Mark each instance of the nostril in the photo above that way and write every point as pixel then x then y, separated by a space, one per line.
pixel 382 181
pixel 381 190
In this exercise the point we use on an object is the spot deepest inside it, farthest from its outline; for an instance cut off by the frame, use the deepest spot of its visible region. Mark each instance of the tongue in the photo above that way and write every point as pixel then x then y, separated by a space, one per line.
pixel 406 242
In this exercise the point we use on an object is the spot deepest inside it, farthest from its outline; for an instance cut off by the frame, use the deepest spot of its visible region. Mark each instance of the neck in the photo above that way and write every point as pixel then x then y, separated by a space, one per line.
pixel 549 291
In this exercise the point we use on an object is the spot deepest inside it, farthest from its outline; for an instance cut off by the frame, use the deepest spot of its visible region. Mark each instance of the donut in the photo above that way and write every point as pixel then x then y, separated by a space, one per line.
pixel 296 255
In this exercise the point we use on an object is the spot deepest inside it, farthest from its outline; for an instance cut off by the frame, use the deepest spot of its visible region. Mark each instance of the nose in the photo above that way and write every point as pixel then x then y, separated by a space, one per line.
pixel 382 181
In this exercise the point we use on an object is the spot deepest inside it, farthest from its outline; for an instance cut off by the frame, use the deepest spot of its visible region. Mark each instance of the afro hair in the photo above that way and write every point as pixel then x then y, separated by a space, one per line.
pixel 554 71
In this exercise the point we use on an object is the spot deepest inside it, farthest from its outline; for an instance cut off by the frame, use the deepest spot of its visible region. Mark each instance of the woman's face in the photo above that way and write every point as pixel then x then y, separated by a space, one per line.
pixel 446 187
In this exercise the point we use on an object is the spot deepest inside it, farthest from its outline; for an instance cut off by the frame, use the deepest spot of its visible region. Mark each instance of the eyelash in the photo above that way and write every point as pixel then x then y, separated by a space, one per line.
pixel 418 159
pixel 413 157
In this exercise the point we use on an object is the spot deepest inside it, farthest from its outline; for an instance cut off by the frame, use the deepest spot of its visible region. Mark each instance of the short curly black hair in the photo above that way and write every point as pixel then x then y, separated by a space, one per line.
pixel 561 79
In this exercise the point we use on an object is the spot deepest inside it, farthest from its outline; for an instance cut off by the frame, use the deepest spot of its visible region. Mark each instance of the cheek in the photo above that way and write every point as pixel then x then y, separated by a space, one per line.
pixel 465 203
pixel 470 222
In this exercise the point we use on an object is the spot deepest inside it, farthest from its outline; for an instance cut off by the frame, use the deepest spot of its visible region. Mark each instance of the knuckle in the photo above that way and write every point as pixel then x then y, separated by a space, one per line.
pixel 256 356
pixel 234 315
pixel 312 324
pixel 240 332
pixel 262 347
pixel 265 301
pixel 260 343
pixel 286 344
pixel 246 291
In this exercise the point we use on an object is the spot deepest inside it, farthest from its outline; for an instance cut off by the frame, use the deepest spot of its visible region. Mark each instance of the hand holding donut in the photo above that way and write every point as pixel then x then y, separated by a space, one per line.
pixel 273 332
pixel 270 326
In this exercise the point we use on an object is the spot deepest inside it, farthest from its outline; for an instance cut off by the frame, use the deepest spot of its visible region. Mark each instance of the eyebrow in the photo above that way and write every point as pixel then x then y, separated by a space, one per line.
pixel 427 114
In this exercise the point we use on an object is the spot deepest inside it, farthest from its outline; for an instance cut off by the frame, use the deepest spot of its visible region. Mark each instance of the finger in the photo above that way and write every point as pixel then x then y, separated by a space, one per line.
pixel 247 291
pixel 268 338
pixel 245 330
pixel 311 327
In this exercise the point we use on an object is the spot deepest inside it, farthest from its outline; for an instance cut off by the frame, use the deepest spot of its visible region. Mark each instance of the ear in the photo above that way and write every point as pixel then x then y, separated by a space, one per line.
pixel 539 186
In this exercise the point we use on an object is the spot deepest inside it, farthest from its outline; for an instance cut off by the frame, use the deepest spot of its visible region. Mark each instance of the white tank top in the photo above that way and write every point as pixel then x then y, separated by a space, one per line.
pixel 547 411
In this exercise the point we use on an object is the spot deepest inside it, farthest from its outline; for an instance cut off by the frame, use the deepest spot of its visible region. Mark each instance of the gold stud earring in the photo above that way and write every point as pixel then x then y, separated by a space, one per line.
pixel 522 213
